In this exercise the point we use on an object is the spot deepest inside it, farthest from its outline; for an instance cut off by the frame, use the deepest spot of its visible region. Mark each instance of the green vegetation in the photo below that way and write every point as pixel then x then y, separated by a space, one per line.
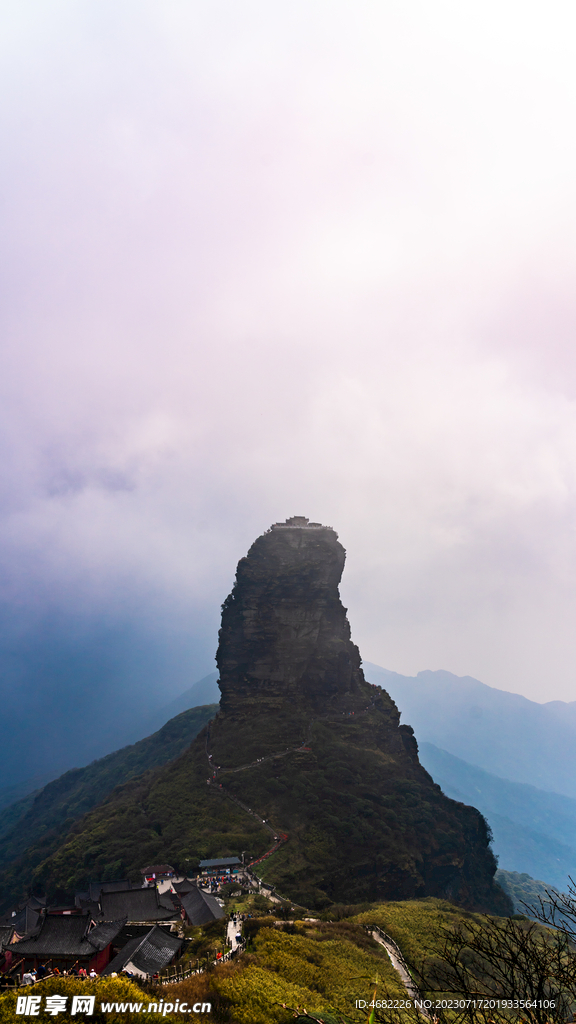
pixel 313 964
pixel 317 966
pixel 204 943
pixel 362 820
pixel 524 891
pixel 322 966
pixel 502 969
pixel 302 748
pixel 164 815
pixel 415 924
pixel 533 830
pixel 454 954
pixel 38 825
pixel 317 969
pixel 106 990
pixel 12 813
pixel 356 820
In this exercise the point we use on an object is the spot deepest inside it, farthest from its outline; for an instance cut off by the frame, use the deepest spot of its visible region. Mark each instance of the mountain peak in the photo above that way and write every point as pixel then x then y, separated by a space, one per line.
pixel 285 635
pixel 303 738
pixel 309 771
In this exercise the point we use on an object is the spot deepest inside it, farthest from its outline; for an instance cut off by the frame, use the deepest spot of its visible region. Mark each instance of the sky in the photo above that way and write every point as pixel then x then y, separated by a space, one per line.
pixel 273 259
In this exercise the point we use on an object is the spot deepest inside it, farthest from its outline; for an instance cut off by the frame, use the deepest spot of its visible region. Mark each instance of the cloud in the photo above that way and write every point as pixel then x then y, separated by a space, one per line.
pixel 313 260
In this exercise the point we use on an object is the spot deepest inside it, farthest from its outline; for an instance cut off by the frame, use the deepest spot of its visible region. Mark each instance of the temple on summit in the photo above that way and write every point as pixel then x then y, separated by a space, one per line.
pixel 299 523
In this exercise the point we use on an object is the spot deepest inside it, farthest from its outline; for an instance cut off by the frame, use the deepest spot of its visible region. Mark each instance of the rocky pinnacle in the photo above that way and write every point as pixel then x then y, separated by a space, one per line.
pixel 285 636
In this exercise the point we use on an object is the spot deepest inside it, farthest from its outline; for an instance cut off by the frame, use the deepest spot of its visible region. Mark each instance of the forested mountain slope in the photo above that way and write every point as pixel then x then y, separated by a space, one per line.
pixel 302 748
pixel 501 732
pixel 534 831
pixel 40 823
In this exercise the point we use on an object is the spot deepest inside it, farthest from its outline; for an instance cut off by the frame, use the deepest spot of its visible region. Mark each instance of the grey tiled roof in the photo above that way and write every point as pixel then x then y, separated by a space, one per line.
pixel 67 935
pixel 200 907
pixel 136 905
pixel 102 934
pixel 149 953
pixel 95 889
pixel 35 902
pixel 6 931
pixel 119 962
pixel 156 952
pixel 186 885
pixel 89 907
pixel 92 893
pixel 26 922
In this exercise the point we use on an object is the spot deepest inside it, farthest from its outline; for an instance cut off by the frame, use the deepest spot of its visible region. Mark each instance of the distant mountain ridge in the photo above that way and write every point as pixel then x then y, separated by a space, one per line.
pixel 10 794
pixel 470 735
pixel 35 826
pixel 537 809
pixel 534 830
pixel 204 691
pixel 524 891
pixel 303 753
pixel 533 822
pixel 500 732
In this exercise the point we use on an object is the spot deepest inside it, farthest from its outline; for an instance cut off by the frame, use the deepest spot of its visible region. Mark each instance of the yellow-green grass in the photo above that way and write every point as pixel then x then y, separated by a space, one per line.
pixel 416 925
pixel 313 965
pixel 106 990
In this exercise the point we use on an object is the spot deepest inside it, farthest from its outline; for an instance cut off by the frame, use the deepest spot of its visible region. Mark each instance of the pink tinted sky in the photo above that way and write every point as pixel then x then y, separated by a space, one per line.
pixel 296 258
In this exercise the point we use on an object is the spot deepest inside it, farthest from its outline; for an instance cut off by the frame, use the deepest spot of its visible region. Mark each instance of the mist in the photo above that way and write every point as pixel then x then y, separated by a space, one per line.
pixel 261 261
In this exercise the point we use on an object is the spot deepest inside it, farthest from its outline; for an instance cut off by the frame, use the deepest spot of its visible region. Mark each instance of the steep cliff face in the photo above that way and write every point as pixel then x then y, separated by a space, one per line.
pixel 285 636
pixel 303 748
pixel 329 761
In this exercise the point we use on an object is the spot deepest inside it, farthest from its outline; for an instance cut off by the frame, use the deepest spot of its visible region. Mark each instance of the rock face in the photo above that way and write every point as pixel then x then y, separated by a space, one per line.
pixel 329 761
pixel 285 636
pixel 310 774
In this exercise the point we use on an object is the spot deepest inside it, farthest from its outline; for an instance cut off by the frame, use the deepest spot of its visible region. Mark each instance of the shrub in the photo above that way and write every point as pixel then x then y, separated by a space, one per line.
pixel 106 990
